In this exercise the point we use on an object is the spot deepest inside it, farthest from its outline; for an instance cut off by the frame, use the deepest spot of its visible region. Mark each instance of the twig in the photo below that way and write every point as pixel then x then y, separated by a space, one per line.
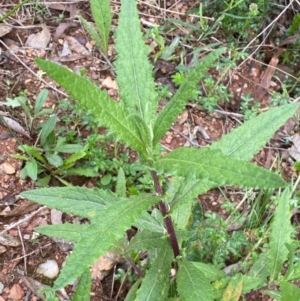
pixel 236 115
pixel 19 222
pixel 23 250
pixel 31 71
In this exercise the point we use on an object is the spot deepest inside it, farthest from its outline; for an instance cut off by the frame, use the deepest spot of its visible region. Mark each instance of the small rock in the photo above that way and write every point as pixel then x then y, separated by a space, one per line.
pixel 49 269
pixel 8 240
pixel 1 287
pixel 2 250
pixel 109 83
pixel 7 169
pixel 16 292
pixel 102 267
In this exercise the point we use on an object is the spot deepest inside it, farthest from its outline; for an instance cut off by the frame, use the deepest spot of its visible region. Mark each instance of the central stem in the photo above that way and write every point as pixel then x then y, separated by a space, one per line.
pixel 168 221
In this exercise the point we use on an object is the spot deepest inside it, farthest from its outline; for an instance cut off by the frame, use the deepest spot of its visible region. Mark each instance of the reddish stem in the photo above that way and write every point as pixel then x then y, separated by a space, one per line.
pixel 168 221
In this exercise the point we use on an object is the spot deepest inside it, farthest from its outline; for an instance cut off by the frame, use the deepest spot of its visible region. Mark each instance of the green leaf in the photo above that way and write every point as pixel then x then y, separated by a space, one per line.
pixel 192 283
pixel 214 166
pixel 47 127
pixel 260 268
pixel 69 148
pixel 54 159
pixel 234 288
pixel 32 151
pixel 183 192
pixel 105 180
pixel 290 292
pixel 293 271
pixel 121 183
pixel 70 161
pixel 44 112
pixel 31 169
pixel 131 295
pixel 210 272
pixel 93 33
pixel 156 283
pixel 13 102
pixel 43 182
pixel 281 234
pixel 80 201
pixel 134 72
pixel 98 238
pixel 102 16
pixel 109 113
pixel 81 171
pixel 146 240
pixel 245 141
pixel 67 231
pixel 153 222
pixel 83 289
pixel 250 284
pixel 40 100
pixel 176 104
pixel 19 157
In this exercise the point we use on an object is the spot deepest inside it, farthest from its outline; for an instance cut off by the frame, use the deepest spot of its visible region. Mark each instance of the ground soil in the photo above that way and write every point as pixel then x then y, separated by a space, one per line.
pixel 18 72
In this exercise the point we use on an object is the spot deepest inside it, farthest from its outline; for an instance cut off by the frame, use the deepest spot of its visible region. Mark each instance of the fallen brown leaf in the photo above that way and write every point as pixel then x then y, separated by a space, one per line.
pixel 39 40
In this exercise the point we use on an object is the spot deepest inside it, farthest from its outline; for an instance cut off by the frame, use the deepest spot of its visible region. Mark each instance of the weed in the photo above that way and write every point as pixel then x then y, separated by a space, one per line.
pixel 167 220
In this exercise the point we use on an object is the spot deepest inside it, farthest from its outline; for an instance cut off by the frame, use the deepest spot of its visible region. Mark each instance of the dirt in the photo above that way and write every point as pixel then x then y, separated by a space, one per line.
pixel 194 127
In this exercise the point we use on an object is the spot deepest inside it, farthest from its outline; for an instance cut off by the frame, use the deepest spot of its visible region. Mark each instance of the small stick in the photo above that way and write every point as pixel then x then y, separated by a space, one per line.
pixel 23 250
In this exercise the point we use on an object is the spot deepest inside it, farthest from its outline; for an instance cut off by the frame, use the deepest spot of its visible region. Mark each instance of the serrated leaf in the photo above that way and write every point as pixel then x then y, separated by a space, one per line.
pixel 192 283
pixel 105 110
pixel 67 231
pixel 214 166
pixel 134 72
pixel 102 16
pixel 146 240
pixel 40 100
pixel 183 198
pixel 80 201
pixel 47 127
pixel 156 284
pixel 281 234
pixel 105 229
pixel 176 104
pixel 93 33
pixel 245 141
pixel 83 289
pixel 151 222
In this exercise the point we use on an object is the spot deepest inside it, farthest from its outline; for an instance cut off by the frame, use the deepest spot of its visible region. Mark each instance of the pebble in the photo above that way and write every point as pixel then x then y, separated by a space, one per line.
pixel 49 269
pixel 8 240
pixel 7 169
